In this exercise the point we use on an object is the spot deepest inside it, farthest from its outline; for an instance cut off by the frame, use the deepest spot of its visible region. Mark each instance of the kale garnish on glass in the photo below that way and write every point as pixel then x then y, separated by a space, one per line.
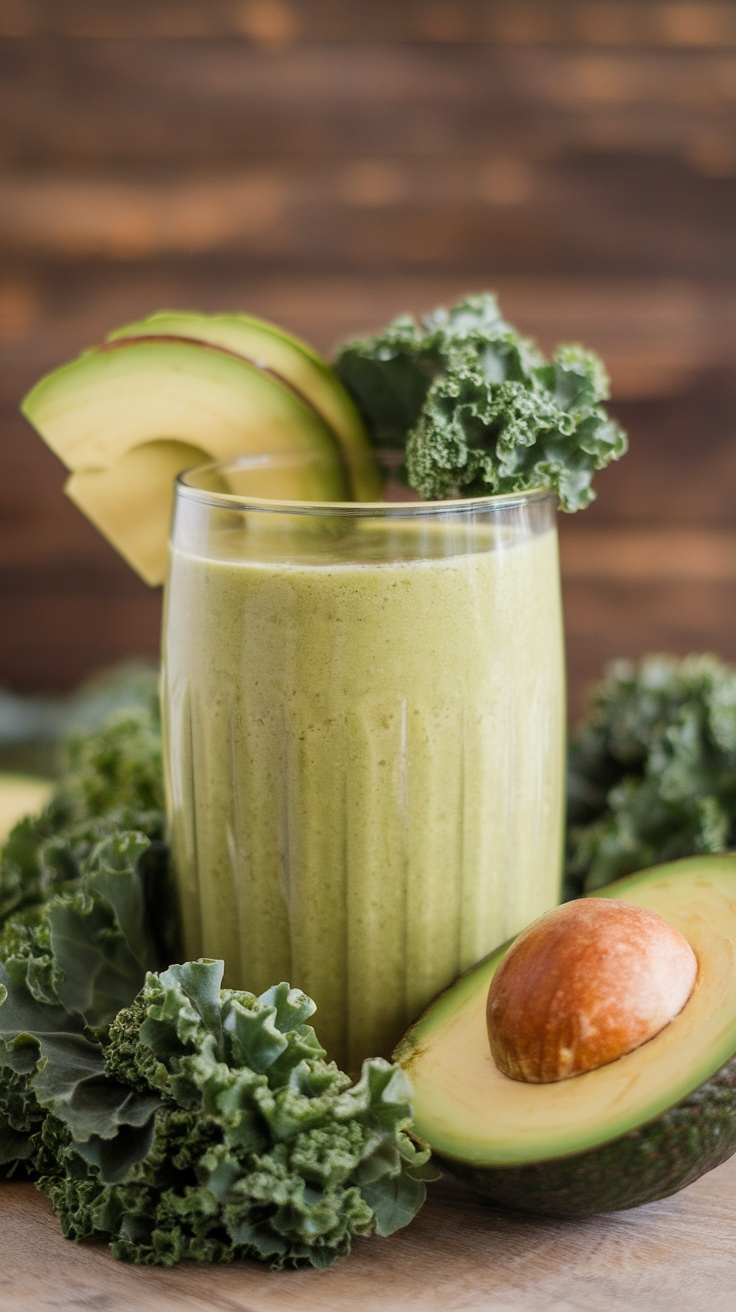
pixel 478 410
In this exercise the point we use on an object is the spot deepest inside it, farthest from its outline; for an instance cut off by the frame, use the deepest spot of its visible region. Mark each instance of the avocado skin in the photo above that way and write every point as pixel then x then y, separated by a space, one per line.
pixel 648 1163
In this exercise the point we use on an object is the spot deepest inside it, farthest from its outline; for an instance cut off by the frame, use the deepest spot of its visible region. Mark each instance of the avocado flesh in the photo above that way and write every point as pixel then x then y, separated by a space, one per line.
pixel 629 1132
pixel 129 501
pixel 21 795
pixel 127 418
pixel 264 344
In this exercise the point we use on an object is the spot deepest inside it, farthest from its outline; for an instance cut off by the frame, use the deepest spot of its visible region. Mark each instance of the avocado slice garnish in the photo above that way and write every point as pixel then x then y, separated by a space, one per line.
pixel 127 417
pixel 634 1130
pixel 295 362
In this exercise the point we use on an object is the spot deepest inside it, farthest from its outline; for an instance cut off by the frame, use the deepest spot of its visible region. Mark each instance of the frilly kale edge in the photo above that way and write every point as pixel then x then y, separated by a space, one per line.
pixel 652 770
pixel 112 782
pixel 478 410
pixel 206 1125
pixel 66 971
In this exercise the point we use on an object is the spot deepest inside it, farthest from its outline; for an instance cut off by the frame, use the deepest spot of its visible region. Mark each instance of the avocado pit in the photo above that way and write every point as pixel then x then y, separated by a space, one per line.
pixel 582 986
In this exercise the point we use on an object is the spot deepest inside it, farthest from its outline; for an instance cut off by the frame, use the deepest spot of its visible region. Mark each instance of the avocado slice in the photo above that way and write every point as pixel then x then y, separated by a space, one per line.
pixel 21 795
pixel 264 343
pixel 127 417
pixel 635 1130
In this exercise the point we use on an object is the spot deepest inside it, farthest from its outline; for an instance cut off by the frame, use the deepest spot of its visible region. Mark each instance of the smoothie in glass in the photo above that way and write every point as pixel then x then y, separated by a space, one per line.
pixel 364 714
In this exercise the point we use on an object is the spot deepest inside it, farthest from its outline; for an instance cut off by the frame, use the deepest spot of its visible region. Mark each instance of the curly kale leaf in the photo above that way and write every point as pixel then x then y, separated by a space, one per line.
pixel 21 1115
pixel 260 1148
pixel 477 408
pixel 120 765
pixel 68 966
pixel 652 771
pixel 88 947
pixel 52 1064
pixel 85 910
pixel 113 782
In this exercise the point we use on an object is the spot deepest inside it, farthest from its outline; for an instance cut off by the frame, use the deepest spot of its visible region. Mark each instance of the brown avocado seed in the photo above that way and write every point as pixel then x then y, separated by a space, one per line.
pixel 583 985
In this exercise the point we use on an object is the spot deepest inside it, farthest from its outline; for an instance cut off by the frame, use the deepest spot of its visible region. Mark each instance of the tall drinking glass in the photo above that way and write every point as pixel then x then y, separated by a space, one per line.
pixel 364 727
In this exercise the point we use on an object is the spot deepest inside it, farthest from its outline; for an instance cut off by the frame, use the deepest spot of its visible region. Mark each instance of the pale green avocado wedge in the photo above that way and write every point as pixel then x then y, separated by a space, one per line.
pixel 21 795
pixel 633 1131
pixel 264 343
pixel 128 417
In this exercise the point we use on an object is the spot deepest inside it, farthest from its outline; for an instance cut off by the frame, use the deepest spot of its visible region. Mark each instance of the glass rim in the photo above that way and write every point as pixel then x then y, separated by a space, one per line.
pixel 356 509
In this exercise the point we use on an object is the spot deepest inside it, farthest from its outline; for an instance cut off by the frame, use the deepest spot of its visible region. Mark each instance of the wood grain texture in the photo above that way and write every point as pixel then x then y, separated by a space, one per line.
pixel 460 1255
pixel 99 103
pixel 372 215
pixel 660 337
pixel 275 22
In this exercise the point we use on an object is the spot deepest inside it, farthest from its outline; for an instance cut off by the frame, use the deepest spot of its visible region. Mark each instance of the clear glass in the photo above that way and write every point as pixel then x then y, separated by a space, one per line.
pixel 364 729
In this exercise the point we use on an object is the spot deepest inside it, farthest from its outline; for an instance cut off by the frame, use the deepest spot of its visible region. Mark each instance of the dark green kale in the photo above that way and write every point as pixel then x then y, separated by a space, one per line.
pixel 652 771
pixel 85 910
pixel 205 1124
pixel 477 408
pixel 112 783
pixel 261 1148
pixel 67 967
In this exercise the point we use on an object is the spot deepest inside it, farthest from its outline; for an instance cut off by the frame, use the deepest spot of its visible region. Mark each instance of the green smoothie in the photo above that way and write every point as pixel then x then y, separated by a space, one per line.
pixel 365 761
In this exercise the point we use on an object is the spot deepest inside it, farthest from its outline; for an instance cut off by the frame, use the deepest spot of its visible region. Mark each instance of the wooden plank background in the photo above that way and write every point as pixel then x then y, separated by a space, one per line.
pixel 328 165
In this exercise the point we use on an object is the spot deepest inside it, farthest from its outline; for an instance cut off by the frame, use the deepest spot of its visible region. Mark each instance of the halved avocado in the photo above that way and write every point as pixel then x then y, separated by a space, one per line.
pixel 635 1130
pixel 127 417
pixel 264 343
pixel 21 795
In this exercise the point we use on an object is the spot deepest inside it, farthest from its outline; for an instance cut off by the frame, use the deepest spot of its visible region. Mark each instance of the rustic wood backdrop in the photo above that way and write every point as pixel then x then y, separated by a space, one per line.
pixel 329 164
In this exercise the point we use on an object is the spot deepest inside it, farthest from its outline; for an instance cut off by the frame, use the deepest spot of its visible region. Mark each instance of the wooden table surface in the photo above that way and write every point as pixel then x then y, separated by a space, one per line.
pixel 678 1255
